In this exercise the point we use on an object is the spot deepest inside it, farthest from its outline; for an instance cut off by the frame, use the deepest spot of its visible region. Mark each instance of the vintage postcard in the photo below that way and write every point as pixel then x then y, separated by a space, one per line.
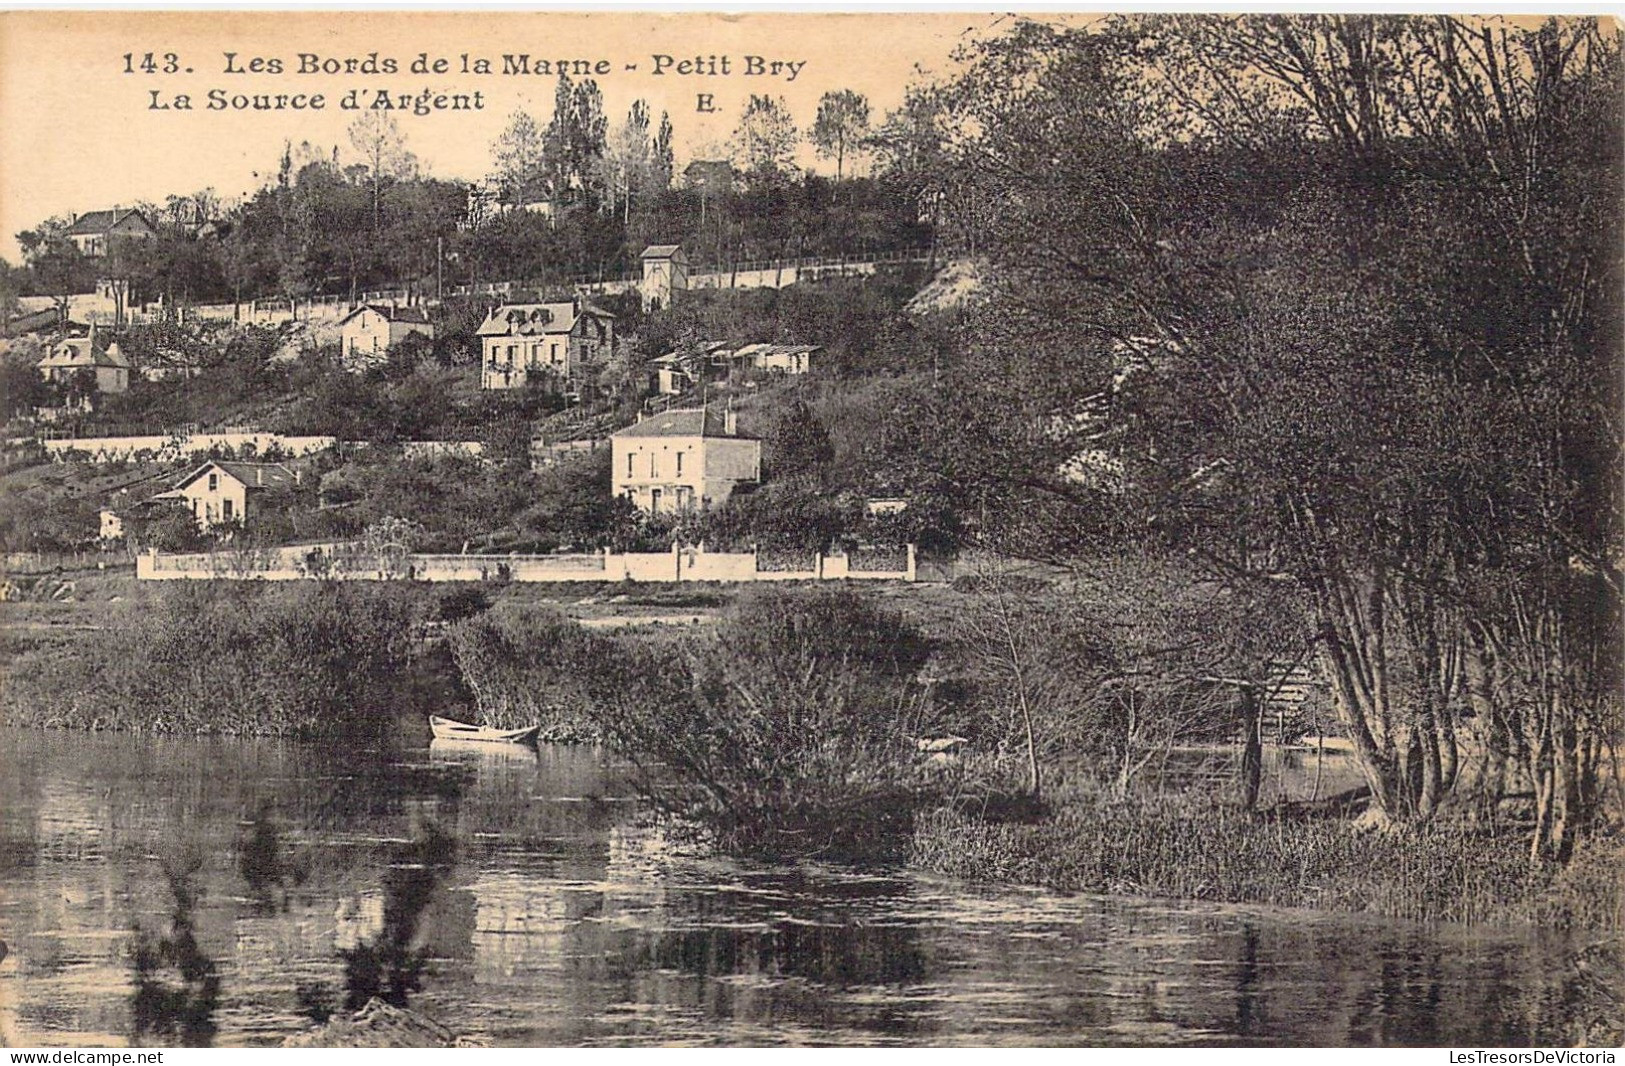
pixel 811 529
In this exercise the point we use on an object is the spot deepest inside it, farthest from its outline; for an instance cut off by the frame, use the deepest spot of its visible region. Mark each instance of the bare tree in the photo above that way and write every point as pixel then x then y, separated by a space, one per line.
pixel 377 139
pixel 842 125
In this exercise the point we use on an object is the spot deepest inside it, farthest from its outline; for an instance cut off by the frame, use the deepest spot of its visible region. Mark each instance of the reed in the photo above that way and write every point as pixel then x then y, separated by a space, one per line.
pixel 229 658
pixel 1188 846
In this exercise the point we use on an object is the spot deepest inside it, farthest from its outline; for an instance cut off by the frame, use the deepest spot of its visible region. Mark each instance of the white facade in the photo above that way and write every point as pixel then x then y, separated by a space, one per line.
pixel 665 273
pixel 218 493
pixel 367 333
pixel 675 462
pixel 559 340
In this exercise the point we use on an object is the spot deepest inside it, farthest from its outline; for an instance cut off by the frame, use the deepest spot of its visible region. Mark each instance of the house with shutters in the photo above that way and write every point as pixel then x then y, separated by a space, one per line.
pixel 70 356
pixel 368 333
pixel 551 342
pixel 221 492
pixel 679 461
pixel 94 231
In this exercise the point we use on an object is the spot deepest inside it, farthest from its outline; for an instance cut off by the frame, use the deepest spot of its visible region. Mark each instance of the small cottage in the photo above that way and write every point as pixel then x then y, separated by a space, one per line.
pixel 665 273
pixel 219 492
pixel 70 356
pixel 368 333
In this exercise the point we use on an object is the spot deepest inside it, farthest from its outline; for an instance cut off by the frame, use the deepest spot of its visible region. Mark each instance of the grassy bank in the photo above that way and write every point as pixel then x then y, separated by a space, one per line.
pixel 223 658
pixel 1188 846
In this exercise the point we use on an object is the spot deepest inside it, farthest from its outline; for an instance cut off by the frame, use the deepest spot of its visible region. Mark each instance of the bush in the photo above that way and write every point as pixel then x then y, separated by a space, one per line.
pixel 1192 847
pixel 528 668
pixel 787 732
pixel 233 658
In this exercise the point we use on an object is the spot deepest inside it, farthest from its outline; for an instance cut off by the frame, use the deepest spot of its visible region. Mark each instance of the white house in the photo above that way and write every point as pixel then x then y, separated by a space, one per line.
pixel 93 231
pixel 560 339
pixel 111 524
pixel 682 461
pixel 368 333
pixel 219 491
pixel 70 355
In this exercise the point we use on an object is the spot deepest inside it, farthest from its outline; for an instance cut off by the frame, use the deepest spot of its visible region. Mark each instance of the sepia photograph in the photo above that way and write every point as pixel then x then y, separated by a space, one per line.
pixel 616 529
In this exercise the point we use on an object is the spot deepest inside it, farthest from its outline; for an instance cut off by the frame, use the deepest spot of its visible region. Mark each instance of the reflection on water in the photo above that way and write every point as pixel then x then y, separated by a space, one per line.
pixel 545 917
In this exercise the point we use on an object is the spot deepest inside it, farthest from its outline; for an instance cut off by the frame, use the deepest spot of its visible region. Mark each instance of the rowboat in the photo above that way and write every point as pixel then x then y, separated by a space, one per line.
pixel 447 729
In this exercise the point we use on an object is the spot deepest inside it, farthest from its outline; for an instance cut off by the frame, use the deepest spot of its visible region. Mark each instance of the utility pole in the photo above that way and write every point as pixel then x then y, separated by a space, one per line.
pixel 440 269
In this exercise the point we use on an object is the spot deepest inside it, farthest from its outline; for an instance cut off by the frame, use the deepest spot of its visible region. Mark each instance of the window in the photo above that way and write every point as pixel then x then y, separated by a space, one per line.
pixel 651 464
pixel 214 482
pixel 679 464
pixel 629 457
pixel 226 508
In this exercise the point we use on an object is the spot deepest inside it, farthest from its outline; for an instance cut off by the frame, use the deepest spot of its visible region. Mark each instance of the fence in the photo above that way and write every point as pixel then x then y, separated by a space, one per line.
pixel 178 445
pixel 46 562
pixel 342 562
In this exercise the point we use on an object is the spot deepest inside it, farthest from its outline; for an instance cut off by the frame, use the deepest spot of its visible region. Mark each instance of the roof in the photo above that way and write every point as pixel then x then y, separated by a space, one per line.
pixel 92 223
pixel 695 422
pixel 414 315
pixel 252 475
pixel 662 251
pixel 79 352
pixel 529 319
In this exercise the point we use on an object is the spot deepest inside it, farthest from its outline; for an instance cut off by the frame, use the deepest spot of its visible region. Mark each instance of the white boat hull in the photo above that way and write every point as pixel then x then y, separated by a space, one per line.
pixel 447 729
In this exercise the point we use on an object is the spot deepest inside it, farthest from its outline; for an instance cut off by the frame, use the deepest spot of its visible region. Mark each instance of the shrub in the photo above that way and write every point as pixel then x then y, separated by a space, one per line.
pixel 787 732
pixel 1191 847
pixel 527 668
pixel 232 658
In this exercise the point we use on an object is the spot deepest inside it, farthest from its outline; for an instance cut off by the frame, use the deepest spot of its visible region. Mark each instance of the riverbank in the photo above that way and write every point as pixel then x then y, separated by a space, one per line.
pixel 1192 846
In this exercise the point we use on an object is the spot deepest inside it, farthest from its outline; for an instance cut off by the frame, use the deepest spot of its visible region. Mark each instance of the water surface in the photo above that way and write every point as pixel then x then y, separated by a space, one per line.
pixel 559 921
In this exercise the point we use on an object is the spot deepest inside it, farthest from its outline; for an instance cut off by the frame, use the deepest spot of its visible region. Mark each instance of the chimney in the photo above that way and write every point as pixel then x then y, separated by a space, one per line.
pixel 729 423
pixel 92 345
pixel 259 475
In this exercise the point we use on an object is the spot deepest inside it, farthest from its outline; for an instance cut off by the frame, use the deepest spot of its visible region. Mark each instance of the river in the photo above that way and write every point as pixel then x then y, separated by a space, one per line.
pixel 557 921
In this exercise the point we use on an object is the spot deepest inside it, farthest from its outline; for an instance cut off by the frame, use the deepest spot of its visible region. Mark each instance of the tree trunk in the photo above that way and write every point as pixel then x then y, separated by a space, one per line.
pixel 1252 747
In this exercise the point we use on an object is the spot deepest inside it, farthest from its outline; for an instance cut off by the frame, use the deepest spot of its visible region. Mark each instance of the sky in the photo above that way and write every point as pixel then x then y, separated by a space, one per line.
pixel 79 129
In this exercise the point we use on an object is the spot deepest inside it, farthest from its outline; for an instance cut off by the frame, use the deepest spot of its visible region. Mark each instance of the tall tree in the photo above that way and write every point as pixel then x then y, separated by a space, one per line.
pixel 764 142
pixel 376 137
pixel 663 164
pixel 841 125
pixel 520 161
pixel 1340 298
pixel 625 167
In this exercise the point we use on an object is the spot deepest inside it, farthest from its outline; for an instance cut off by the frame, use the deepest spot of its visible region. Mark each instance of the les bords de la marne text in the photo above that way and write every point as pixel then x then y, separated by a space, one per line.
pixel 422 100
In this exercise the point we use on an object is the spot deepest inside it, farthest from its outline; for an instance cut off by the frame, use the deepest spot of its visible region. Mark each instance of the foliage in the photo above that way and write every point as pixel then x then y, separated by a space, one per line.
pixel 1129 656
pixel 1314 333
pixel 575 508
pixel 795 442
pixel 764 140
pixel 1190 847
pixel 842 125
pixel 789 731
pixel 526 668
pixel 234 658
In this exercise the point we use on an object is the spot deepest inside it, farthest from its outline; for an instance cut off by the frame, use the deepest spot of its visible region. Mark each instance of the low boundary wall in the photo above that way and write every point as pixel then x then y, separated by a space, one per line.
pixel 314 562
